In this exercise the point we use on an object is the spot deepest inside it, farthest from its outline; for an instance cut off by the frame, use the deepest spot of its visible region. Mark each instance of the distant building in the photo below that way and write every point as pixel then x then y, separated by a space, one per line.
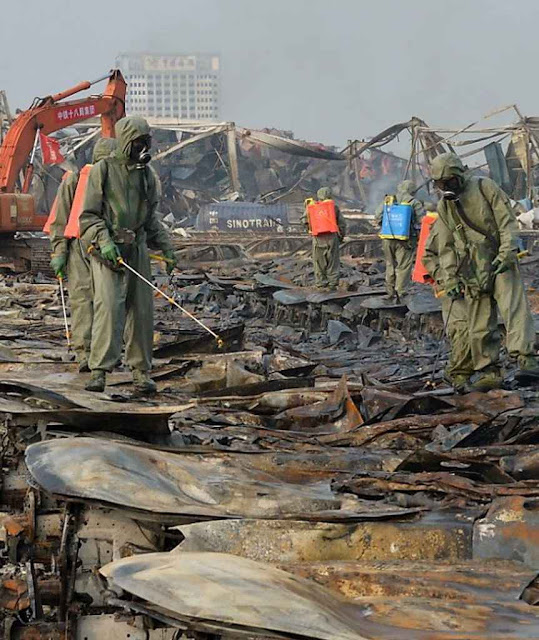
pixel 172 86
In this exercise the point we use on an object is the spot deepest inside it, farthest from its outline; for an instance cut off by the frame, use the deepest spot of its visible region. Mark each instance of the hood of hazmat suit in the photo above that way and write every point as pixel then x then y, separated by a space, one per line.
pixel 445 166
pixel 405 191
pixel 127 130
pixel 324 193
pixel 103 148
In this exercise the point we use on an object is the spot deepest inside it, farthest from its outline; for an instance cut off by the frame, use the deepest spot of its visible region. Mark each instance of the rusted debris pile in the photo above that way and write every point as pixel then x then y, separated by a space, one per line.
pixel 304 482
pixel 202 163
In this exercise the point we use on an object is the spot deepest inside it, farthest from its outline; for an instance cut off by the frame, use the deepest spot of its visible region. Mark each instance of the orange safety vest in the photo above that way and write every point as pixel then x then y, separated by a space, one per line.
pixel 52 214
pixel 420 274
pixel 322 217
pixel 72 229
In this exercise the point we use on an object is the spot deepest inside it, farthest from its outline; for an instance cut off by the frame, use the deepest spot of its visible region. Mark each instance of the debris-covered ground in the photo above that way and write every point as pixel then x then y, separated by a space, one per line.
pixel 316 478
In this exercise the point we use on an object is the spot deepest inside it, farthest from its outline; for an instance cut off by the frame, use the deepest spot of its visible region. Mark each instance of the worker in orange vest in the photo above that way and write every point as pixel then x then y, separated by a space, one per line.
pixel 68 258
pixel 328 228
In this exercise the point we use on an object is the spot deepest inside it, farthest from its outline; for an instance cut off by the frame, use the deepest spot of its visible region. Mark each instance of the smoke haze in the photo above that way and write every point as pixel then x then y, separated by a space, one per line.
pixel 329 71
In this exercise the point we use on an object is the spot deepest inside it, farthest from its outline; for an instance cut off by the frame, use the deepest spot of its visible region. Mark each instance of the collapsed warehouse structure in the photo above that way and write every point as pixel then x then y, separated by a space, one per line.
pixel 313 479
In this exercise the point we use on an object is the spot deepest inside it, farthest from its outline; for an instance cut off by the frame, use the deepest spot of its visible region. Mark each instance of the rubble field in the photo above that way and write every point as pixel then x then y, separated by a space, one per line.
pixel 315 478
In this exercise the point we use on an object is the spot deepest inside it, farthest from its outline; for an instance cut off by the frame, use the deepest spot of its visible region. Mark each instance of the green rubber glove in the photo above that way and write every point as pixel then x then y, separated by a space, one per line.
pixel 110 252
pixel 501 265
pixel 58 265
pixel 455 292
pixel 171 260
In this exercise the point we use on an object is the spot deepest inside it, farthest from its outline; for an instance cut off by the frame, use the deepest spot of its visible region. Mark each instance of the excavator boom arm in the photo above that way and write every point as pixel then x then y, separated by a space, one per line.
pixel 51 115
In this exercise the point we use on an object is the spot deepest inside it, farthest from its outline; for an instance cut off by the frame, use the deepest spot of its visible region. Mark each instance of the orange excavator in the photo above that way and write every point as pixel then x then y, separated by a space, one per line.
pixel 18 150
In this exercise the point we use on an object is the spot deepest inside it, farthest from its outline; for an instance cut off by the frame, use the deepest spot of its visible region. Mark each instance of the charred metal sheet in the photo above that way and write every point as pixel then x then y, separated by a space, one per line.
pixel 268 403
pixel 509 531
pixel 293 147
pixel 291 296
pixel 436 619
pixel 530 593
pixel 49 398
pixel 214 590
pixel 269 281
pixel 336 414
pixel 367 434
pixel 423 301
pixel 343 296
pixel 165 483
pixel 525 465
pixel 329 461
pixel 235 592
pixel 432 537
pixel 108 627
pixel 388 404
pixel 382 303
pixel 470 582
pixel 427 461
pixel 257 389
pixel 449 486
pixel 65 374
pixel 202 342
pixel 57 401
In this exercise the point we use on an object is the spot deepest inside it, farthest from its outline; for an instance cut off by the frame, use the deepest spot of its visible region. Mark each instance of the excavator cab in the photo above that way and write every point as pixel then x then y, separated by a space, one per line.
pixel 17 213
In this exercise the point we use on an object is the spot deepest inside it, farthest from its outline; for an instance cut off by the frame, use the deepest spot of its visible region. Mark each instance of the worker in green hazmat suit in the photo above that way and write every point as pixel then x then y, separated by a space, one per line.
pixel 454 314
pixel 478 239
pixel 400 254
pixel 68 258
pixel 119 220
pixel 326 247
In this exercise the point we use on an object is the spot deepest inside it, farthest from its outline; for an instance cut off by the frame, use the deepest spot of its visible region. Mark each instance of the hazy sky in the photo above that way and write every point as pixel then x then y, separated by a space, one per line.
pixel 329 70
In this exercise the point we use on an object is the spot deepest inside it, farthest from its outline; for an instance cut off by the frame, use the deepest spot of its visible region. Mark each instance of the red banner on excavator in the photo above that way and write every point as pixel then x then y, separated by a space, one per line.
pixel 50 150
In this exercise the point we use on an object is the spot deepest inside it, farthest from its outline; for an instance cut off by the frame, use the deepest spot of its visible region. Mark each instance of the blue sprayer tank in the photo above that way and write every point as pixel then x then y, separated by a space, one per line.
pixel 396 221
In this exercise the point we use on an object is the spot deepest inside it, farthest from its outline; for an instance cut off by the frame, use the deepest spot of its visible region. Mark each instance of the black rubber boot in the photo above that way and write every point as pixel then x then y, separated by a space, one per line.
pixel 144 385
pixel 97 381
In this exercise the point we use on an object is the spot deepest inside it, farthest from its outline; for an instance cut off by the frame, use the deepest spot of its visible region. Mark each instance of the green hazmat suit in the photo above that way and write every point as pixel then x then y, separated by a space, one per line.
pixel 477 231
pixel 326 248
pixel 79 282
pixel 400 254
pixel 119 207
pixel 454 313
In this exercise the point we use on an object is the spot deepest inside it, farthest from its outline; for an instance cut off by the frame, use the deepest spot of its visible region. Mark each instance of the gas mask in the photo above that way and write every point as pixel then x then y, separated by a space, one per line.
pixel 140 150
pixel 451 188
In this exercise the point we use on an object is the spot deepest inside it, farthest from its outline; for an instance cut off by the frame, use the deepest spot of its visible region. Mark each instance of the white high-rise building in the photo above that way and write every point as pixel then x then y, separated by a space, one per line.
pixel 172 86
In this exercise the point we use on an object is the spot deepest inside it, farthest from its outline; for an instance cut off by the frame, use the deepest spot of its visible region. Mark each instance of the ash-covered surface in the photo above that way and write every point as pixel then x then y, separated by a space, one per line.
pixel 324 479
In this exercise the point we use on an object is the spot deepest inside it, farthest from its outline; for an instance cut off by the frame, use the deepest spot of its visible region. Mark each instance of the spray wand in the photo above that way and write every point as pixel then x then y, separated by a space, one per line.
pixel 220 342
pixel 64 309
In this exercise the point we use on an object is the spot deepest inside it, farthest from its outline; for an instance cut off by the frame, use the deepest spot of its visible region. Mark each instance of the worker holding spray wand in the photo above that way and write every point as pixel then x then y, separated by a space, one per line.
pixel 119 221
